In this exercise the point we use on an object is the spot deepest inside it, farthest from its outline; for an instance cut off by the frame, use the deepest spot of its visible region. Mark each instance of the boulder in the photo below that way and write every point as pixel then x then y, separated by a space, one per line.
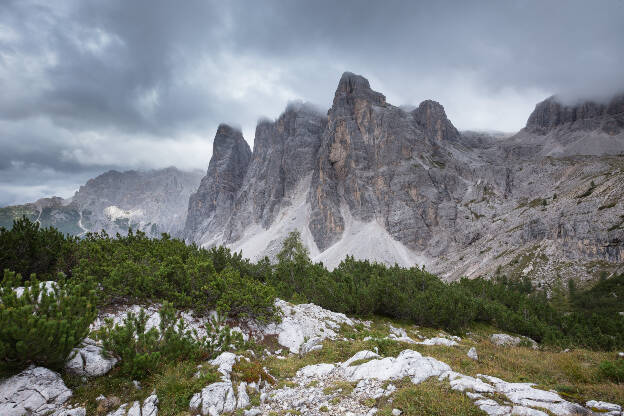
pixel 408 364
pixel 310 345
pixel 89 360
pixel 439 341
pixel 472 354
pixel 214 399
pixel 303 322
pixel 603 406
pixel 506 340
pixel 36 391
pixel 242 400
pixel 224 363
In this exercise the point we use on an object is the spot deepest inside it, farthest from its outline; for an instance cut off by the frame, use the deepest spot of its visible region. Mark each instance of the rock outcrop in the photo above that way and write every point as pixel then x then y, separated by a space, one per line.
pixel 551 114
pixel 284 155
pixel 36 391
pixel 209 208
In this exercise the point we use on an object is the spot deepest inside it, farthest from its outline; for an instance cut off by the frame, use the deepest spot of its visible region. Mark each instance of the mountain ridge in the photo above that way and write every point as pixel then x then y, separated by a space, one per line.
pixel 433 192
pixel 399 185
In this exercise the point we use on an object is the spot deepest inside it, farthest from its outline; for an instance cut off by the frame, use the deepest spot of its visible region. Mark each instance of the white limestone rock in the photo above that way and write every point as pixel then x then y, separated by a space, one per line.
pixel 400 335
pixel 316 370
pixel 526 411
pixel 492 407
pixel 224 363
pixel 464 383
pixel 603 406
pixel 360 355
pixel 301 322
pixel 506 340
pixel 242 400
pixel 313 344
pixel 214 399
pixel 77 411
pixel 89 360
pixel 408 364
pixel 524 394
pixel 472 354
pixel 148 408
pixel 33 392
pixel 439 341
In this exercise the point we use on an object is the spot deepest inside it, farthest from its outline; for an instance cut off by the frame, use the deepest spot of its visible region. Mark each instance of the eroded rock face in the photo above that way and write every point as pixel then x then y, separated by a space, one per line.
pixel 284 154
pixel 410 185
pixel 551 114
pixel 210 207
pixel 375 161
pixel 35 392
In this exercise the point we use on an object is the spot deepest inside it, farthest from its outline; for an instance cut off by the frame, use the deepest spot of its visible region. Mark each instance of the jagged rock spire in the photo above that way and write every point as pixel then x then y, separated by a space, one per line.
pixel 216 193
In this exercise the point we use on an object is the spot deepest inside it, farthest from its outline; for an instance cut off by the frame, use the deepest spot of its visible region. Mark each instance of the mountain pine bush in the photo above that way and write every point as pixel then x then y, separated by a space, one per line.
pixel 27 248
pixel 143 350
pixel 41 323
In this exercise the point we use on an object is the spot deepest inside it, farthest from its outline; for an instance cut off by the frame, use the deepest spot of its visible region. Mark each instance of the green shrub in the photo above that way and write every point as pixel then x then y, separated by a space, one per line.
pixel 135 268
pixel 28 249
pixel 143 350
pixel 613 370
pixel 43 324
pixel 238 297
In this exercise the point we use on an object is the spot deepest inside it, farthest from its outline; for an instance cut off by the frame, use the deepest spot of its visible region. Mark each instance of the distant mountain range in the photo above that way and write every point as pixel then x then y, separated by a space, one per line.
pixel 388 184
pixel 153 201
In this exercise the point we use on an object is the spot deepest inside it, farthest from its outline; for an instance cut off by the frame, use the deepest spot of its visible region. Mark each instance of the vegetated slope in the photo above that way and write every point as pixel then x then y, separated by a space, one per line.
pixel 170 346
pixel 376 181
pixel 154 201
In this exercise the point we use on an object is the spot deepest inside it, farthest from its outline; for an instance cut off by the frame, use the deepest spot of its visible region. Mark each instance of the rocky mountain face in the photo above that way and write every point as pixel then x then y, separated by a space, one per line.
pixel 588 128
pixel 387 184
pixel 210 207
pixel 379 182
pixel 154 202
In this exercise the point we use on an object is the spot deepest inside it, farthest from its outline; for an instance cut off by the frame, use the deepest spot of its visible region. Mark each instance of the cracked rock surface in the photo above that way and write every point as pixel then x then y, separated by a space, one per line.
pixel 89 360
pixel 34 392
pixel 148 408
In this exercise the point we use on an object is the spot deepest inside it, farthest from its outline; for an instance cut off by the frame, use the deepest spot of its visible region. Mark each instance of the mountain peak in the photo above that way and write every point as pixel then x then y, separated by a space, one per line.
pixel 352 87
pixel 431 117
pixel 228 137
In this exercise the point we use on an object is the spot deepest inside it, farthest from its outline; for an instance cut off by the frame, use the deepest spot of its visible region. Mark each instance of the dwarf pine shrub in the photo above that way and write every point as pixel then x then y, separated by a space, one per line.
pixel 41 323
pixel 143 350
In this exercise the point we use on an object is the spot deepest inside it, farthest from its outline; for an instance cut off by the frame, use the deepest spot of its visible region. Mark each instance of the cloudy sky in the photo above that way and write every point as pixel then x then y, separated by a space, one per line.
pixel 88 85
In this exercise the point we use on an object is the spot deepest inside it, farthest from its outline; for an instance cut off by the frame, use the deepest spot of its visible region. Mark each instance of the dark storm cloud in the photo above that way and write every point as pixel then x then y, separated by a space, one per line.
pixel 89 85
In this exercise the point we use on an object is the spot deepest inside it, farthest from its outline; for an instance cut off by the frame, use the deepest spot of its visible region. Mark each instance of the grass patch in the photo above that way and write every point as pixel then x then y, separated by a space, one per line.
pixel 576 373
pixel 430 398
pixel 250 372
pixel 344 388
pixel 362 361
pixel 174 383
